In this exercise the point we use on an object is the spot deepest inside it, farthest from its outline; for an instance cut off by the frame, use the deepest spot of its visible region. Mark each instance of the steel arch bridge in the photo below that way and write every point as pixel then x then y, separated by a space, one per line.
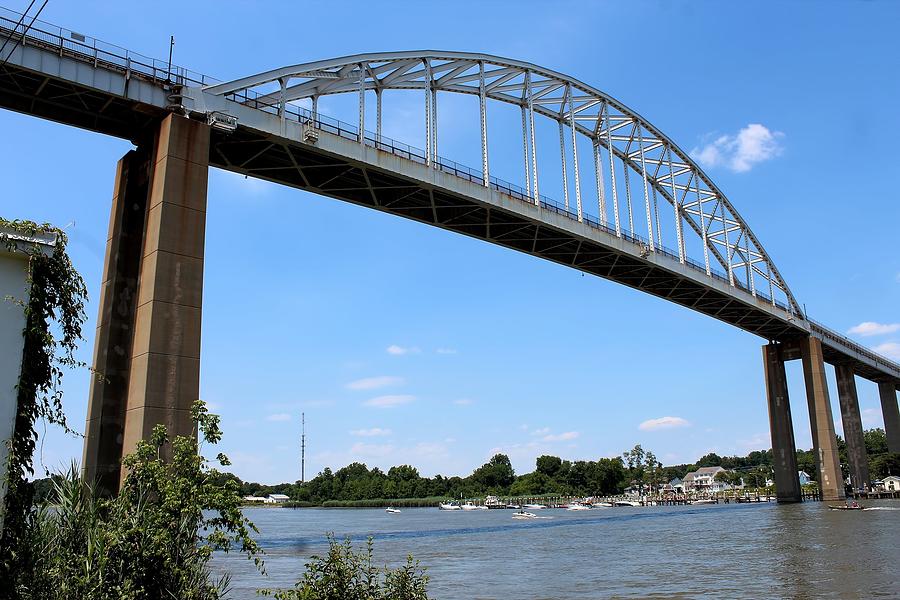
pixel 626 151
pixel 619 174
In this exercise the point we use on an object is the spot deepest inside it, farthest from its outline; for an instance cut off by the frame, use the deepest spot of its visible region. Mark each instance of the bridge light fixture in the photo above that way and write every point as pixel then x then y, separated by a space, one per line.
pixel 221 121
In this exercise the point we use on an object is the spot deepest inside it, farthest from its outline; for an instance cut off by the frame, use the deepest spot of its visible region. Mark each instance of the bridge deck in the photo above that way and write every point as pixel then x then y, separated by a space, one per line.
pixel 54 76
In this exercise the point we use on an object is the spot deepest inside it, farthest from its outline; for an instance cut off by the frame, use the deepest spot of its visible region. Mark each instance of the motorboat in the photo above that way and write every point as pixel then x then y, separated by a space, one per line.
pixel 448 506
pixel 522 514
pixel 391 510
pixel 494 502
pixel 704 501
pixel 534 506
pixel 854 505
pixel 627 503
pixel 470 506
pixel 576 506
pixel 602 505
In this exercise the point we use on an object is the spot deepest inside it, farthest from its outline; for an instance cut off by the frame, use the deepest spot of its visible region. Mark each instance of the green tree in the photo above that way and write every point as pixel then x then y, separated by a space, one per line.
pixel 876 441
pixel 885 464
pixel 548 465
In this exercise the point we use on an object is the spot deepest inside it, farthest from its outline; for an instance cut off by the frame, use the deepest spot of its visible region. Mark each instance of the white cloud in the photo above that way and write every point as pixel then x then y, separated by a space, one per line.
pixel 869 328
pixel 446 351
pixel 279 417
pixel 889 349
pixel 462 402
pixel 871 417
pixel 389 401
pixel 541 431
pixel 561 437
pixel 663 423
pixel 396 350
pixel 753 144
pixel 373 432
pixel 373 383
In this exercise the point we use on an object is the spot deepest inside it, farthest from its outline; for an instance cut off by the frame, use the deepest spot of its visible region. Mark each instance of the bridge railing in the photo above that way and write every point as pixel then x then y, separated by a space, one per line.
pixel 84 48
pixel 403 150
pixel 843 340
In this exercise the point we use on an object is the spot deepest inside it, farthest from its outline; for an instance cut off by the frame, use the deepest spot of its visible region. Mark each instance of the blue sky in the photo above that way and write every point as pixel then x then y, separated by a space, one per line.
pixel 407 344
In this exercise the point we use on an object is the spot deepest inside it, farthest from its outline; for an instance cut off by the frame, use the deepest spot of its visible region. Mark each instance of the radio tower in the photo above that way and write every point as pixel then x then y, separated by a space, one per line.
pixel 302 448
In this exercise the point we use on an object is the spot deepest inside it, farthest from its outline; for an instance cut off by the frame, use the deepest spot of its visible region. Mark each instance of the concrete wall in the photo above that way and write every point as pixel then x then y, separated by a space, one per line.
pixel 13 283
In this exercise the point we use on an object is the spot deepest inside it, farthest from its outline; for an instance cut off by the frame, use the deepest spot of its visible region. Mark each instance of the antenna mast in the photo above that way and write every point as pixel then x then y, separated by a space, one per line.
pixel 303 448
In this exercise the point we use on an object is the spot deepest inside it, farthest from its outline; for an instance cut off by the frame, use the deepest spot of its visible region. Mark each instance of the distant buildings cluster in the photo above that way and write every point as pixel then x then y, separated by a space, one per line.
pixel 270 499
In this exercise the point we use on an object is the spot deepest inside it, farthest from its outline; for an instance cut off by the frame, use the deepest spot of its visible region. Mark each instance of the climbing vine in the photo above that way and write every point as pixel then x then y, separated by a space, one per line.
pixel 54 315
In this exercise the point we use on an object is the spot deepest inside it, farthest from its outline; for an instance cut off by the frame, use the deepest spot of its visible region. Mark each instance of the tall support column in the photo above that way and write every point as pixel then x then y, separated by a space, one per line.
pixel 853 431
pixel 784 451
pixel 821 421
pixel 115 322
pixel 482 105
pixel 148 359
pixel 888 393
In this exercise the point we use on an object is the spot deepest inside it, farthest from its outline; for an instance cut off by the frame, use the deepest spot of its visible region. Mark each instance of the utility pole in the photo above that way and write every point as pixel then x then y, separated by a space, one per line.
pixel 302 448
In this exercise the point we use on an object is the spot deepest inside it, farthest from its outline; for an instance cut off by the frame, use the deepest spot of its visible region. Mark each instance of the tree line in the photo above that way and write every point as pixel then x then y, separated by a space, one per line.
pixel 552 475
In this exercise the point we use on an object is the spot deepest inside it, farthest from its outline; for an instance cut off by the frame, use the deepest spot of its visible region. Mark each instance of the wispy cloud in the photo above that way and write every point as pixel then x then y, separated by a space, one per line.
pixel 279 417
pixel 373 432
pixel 541 431
pixel 753 144
pixel 374 383
pixel 889 349
pixel 389 401
pixel 663 423
pixel 870 328
pixel 396 350
pixel 462 402
pixel 872 417
pixel 446 351
pixel 561 437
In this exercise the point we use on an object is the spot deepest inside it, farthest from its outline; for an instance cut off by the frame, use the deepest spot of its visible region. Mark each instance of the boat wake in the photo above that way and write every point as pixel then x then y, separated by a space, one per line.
pixel 882 508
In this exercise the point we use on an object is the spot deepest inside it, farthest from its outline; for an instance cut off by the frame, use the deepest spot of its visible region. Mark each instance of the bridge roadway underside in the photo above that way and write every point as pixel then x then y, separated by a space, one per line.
pixel 311 168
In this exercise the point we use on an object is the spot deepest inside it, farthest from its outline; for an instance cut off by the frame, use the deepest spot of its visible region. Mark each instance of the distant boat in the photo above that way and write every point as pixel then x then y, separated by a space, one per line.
pixel 524 515
pixel 392 510
pixel 470 506
pixel 851 505
pixel 534 506
pixel 494 502
pixel 602 505
pixel 627 503
pixel 448 506
pixel 576 506
pixel 704 501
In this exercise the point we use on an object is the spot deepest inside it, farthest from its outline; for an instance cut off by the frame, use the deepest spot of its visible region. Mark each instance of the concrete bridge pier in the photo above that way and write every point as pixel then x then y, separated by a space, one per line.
pixel 784 450
pixel 821 420
pixel 853 429
pixel 147 352
pixel 887 390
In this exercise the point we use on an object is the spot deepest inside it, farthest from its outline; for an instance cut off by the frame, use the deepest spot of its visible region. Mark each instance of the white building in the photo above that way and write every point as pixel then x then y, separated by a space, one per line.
pixel 259 499
pixel 14 296
pixel 276 499
pixel 891 483
pixel 804 477
pixel 703 480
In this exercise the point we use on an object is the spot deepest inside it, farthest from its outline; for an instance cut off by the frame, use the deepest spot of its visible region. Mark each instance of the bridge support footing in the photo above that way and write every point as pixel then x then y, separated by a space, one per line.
pixel 784 451
pixel 821 421
pixel 889 410
pixel 853 430
pixel 147 352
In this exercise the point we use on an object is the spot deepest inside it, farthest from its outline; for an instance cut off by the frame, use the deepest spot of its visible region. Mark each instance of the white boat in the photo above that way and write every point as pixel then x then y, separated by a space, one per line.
pixel 524 515
pixel 470 506
pixel 392 510
pixel 534 506
pixel 602 505
pixel 577 506
pixel 704 501
pixel 627 503
pixel 448 506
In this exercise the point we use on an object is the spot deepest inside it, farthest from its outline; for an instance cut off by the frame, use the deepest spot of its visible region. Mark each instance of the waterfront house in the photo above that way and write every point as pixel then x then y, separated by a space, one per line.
pixel 891 483
pixel 677 485
pixel 259 499
pixel 702 480
pixel 276 499
pixel 804 477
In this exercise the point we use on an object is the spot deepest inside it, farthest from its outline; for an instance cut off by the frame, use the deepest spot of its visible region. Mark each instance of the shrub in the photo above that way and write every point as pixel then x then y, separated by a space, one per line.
pixel 344 574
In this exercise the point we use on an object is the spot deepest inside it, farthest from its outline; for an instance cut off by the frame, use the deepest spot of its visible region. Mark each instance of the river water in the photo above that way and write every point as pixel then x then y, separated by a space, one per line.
pixel 723 551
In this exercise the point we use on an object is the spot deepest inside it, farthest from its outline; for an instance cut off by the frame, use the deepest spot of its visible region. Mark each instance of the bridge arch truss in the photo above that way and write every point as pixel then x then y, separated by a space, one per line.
pixel 625 148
